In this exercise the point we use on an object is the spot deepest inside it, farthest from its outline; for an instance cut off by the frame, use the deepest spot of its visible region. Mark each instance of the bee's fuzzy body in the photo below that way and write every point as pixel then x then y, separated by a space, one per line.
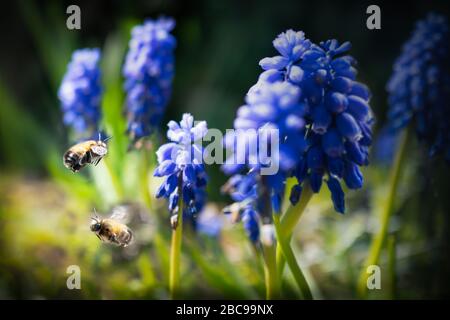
pixel 111 231
pixel 83 153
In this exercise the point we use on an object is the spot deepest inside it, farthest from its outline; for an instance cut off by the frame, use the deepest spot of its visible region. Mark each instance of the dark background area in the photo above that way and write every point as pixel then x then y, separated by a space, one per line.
pixel 219 46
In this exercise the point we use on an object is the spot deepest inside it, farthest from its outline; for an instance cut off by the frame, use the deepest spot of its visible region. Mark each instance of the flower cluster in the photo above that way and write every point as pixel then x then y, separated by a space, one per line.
pixel 269 106
pixel 419 88
pixel 148 72
pixel 321 111
pixel 339 117
pixel 80 92
pixel 180 161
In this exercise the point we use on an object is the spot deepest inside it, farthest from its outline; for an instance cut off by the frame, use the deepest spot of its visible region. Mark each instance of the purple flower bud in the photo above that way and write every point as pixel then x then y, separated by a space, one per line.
pixel 348 127
pixel 336 102
pixel 332 143
pixel 358 108
pixel 337 194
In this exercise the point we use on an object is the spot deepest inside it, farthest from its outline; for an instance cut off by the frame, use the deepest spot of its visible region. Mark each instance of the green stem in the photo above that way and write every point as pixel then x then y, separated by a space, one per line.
pixel 291 261
pixel 175 249
pixel 145 166
pixel 392 266
pixel 115 180
pixel 293 213
pixel 380 237
pixel 270 268
pixel 268 242
pixel 290 219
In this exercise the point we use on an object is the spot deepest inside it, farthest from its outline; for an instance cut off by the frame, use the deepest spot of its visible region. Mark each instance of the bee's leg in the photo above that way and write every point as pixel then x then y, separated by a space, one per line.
pixel 113 238
pixel 87 158
pixel 83 161
pixel 99 237
pixel 129 236
pixel 93 159
pixel 98 160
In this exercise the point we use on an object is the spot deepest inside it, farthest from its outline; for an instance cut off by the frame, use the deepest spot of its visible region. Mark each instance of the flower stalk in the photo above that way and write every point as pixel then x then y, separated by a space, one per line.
pixel 293 214
pixel 268 241
pixel 290 219
pixel 270 269
pixel 144 177
pixel 175 249
pixel 379 239
pixel 118 188
pixel 288 254
pixel 392 252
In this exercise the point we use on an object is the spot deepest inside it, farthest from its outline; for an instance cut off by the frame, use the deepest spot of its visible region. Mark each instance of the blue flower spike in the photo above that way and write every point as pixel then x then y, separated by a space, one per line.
pixel 181 163
pixel 269 106
pixel 80 93
pixel 338 114
pixel 149 71
pixel 419 88
pixel 310 94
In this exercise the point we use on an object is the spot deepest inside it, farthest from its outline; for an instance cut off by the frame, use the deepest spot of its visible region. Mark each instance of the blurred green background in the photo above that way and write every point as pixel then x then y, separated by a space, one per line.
pixel 45 209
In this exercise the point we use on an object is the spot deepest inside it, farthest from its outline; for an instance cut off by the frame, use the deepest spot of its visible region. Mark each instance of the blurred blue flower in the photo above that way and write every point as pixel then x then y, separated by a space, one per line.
pixel 210 222
pixel 242 187
pixel 181 162
pixel 80 93
pixel 338 114
pixel 148 71
pixel 385 145
pixel 419 88
pixel 250 220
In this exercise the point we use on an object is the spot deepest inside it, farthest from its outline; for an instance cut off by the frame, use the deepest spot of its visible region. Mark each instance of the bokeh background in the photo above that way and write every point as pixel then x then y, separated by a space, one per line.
pixel 45 209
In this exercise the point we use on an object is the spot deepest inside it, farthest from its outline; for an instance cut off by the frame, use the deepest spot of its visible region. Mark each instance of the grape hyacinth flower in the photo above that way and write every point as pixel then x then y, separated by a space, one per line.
pixel 191 217
pixel 80 93
pixel 148 72
pixel 269 106
pixel 181 162
pixel 419 88
pixel 419 91
pixel 339 117
pixel 292 46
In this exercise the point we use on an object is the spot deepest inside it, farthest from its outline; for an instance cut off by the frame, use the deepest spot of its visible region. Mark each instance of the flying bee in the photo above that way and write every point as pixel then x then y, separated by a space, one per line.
pixel 86 152
pixel 112 229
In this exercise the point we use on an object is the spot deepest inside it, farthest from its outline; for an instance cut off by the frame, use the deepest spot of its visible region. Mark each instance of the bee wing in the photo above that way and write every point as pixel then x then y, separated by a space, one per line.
pixel 120 214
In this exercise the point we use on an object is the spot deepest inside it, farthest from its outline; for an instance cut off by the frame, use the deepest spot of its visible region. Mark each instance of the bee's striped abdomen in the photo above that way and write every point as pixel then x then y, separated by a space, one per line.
pixel 72 161
pixel 83 153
